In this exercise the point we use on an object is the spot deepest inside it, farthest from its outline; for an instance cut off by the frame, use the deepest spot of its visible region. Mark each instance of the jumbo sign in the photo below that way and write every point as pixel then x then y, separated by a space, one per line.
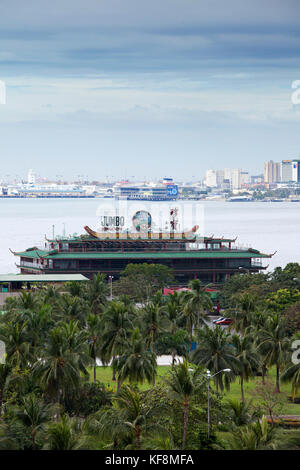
pixel 112 221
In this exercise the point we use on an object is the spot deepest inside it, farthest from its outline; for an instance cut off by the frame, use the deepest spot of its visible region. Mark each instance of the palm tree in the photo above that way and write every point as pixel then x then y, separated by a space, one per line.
pixel 71 308
pixel 245 306
pixel 33 414
pixel 5 371
pixel 153 322
pixel 15 336
pixel 94 326
pixel 27 301
pixel 75 288
pixel 117 325
pixel 240 412
pixel 65 434
pixel 183 384
pixel 129 418
pixel 57 368
pixel 291 373
pixel 199 300
pixel 38 324
pixel 248 360
pixel 215 352
pixel 254 436
pixel 77 341
pixel 173 312
pixel 273 343
pixel 96 293
pixel 136 363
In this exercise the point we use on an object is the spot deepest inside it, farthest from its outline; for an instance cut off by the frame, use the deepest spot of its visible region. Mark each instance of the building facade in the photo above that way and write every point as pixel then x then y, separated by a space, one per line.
pixel 272 172
pixel 188 255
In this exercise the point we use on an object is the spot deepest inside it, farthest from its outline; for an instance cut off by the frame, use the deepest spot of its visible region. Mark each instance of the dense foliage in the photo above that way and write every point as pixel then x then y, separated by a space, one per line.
pixel 50 395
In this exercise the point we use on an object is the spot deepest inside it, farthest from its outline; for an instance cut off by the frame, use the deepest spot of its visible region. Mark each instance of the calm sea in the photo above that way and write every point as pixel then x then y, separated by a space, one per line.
pixel 268 227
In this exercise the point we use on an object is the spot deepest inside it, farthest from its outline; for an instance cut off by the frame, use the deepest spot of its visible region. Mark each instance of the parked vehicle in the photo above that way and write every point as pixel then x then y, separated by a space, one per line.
pixel 224 321
pixel 218 319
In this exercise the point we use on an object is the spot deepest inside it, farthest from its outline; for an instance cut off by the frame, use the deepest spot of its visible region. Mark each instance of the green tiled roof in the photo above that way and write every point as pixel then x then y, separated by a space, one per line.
pixel 32 253
pixel 147 255
pixel 42 277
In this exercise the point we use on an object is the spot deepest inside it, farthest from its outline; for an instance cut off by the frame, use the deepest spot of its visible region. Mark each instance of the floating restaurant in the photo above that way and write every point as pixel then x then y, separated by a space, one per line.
pixel 212 260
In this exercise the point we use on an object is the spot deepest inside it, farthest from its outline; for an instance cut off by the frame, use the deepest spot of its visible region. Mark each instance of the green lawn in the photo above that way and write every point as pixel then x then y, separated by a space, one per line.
pixel 104 375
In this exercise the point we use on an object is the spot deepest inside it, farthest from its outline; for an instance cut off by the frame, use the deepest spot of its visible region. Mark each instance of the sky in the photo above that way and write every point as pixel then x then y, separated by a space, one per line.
pixel 114 88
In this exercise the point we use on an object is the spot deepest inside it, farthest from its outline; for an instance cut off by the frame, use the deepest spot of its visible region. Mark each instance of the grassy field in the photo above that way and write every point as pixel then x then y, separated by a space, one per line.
pixel 104 375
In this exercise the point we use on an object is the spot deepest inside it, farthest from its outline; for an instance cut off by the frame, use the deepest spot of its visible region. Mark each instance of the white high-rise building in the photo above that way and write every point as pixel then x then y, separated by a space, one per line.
pixel 214 178
pixel 31 177
pixel 236 178
pixel 211 178
pixel 227 174
pixel 239 177
pixel 244 178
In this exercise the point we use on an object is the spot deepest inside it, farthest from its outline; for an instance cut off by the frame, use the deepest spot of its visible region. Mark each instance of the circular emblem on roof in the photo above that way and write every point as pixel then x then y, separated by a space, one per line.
pixel 142 221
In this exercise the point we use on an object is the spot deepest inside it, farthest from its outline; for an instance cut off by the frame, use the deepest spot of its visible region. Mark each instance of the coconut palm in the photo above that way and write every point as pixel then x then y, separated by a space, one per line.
pixel 77 341
pixel 240 412
pixel 245 306
pixel 173 312
pixel 273 344
pixel 291 373
pixel 5 371
pixel 216 352
pixel 71 308
pixel 96 293
pixel 38 323
pixel 33 414
pixel 65 434
pixel 248 359
pixel 254 436
pixel 94 329
pixel 137 363
pixel 57 369
pixel 153 323
pixel 182 385
pixel 15 336
pixel 128 420
pixel 117 325
pixel 75 288
pixel 199 300
pixel 27 301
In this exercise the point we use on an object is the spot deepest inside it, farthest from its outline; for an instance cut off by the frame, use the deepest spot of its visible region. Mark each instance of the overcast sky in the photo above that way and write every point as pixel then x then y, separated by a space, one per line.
pixel 160 88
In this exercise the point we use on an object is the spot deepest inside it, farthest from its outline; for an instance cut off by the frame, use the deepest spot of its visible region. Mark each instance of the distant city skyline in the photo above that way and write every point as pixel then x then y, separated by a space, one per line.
pixel 150 89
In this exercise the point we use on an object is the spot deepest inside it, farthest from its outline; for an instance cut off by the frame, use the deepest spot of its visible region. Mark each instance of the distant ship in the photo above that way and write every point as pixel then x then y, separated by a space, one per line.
pixel 239 199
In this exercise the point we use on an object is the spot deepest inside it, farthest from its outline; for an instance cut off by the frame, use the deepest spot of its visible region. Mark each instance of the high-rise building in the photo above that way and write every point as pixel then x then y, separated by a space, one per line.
pixel 227 174
pixel 272 172
pixel 31 177
pixel 235 178
pixel 239 178
pixel 296 171
pixel 214 178
pixel 244 178
pixel 290 171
